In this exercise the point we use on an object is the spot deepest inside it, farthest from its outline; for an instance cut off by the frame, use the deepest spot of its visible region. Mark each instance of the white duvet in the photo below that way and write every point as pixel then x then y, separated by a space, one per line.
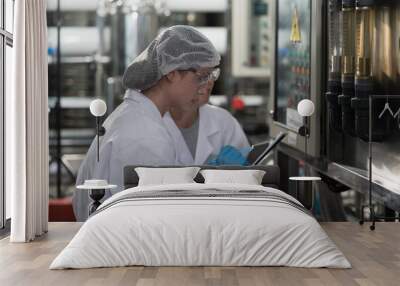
pixel 200 231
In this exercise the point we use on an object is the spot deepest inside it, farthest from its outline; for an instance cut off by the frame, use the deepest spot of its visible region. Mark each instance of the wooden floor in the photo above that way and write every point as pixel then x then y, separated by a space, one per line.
pixel 375 257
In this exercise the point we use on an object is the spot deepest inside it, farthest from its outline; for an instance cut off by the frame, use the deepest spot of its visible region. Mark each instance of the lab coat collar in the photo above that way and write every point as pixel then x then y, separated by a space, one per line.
pixel 208 120
pixel 140 98
pixel 207 129
pixel 183 156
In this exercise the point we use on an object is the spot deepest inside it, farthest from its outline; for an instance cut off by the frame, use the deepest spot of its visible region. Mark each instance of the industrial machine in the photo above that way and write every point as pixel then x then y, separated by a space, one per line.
pixel 298 67
pixel 90 44
pixel 251 38
pixel 89 47
pixel 376 72
pixel 249 64
pixel 349 54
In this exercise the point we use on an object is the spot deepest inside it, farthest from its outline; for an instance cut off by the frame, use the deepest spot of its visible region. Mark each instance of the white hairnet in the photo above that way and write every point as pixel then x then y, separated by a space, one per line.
pixel 176 48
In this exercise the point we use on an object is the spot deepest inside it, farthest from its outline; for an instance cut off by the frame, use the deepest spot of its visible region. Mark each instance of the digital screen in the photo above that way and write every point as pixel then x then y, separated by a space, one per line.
pixel 260 8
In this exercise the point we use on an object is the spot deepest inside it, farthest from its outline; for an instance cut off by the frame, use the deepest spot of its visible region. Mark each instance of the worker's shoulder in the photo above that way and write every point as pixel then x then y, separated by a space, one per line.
pixel 132 117
pixel 216 111
pixel 218 114
pixel 133 131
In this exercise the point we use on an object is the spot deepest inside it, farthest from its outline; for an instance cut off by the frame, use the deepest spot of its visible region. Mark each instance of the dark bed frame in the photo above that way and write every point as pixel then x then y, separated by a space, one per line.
pixel 270 179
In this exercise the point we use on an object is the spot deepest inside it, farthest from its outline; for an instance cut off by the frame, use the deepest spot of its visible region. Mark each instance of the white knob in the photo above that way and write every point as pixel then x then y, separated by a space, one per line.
pixel 305 107
pixel 98 107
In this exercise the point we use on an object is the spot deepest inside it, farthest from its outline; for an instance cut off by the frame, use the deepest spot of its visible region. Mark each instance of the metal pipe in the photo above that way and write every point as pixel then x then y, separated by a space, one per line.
pixel 370 152
pixel 306 135
pixel 58 101
pixel 98 136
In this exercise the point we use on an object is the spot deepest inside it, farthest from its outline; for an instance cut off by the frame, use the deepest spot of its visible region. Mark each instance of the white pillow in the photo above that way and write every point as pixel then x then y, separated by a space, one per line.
pixel 248 177
pixel 163 176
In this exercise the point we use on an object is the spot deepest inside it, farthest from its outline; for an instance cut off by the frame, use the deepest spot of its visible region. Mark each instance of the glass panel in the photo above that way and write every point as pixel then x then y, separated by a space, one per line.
pixel 259 34
pixel 8 70
pixel 334 41
pixel 293 59
pixel 9 9
pixel 1 14
pixel 2 203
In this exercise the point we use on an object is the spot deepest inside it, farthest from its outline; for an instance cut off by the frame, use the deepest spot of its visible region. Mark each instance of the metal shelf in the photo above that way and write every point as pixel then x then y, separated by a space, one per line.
pixel 82 60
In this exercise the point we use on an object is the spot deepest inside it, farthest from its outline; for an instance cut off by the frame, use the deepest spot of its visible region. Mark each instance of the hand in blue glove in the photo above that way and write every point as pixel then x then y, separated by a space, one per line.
pixel 230 156
pixel 212 160
pixel 245 151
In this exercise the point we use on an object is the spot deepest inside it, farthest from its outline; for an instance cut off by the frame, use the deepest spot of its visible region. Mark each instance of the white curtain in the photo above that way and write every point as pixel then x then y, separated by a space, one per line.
pixel 27 123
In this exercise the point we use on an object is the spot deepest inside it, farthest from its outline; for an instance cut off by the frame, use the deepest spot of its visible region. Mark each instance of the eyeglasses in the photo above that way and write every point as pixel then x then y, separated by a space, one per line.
pixel 203 78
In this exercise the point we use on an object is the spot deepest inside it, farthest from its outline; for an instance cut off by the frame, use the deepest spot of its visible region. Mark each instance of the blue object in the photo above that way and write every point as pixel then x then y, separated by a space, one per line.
pixel 212 161
pixel 229 155
pixel 51 51
pixel 245 151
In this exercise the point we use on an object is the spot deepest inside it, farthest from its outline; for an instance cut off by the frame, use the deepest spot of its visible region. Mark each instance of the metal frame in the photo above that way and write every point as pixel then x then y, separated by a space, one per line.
pixel 353 178
pixel 370 206
pixel 57 156
pixel 6 39
pixel 316 81
pixel 2 101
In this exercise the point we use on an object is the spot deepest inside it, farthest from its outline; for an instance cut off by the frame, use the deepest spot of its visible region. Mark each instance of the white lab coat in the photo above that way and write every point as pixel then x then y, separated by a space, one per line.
pixel 217 128
pixel 135 135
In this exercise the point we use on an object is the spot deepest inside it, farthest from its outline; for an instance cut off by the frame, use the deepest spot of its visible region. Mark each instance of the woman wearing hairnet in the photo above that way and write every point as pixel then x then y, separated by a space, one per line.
pixel 161 77
pixel 206 134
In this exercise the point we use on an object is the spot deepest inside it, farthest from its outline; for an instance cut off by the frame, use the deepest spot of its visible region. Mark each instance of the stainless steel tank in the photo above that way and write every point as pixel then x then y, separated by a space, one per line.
pixel 376 65
pixel 334 63
pixel 133 24
pixel 348 65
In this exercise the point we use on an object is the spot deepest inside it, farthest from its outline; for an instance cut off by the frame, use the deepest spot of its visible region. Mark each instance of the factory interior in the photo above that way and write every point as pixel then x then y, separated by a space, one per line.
pixel 314 86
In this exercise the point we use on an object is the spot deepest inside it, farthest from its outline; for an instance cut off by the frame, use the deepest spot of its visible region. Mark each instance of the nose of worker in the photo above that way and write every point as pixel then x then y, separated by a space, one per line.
pixel 204 90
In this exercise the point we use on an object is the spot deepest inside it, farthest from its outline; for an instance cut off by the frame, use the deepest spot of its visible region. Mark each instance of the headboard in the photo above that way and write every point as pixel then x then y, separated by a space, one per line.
pixel 270 179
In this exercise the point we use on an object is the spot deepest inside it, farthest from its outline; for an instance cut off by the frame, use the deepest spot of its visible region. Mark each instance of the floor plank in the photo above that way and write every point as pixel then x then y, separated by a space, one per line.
pixel 375 257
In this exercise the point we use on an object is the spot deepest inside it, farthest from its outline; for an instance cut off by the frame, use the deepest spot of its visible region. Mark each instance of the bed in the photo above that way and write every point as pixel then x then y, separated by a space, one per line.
pixel 201 224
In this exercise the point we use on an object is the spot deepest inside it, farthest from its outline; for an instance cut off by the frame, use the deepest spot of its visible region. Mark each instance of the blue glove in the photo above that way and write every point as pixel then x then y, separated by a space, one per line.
pixel 228 156
pixel 245 151
pixel 212 161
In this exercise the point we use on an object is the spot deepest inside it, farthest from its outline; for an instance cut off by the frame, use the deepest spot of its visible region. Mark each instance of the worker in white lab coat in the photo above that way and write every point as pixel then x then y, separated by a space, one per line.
pixel 162 76
pixel 200 130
